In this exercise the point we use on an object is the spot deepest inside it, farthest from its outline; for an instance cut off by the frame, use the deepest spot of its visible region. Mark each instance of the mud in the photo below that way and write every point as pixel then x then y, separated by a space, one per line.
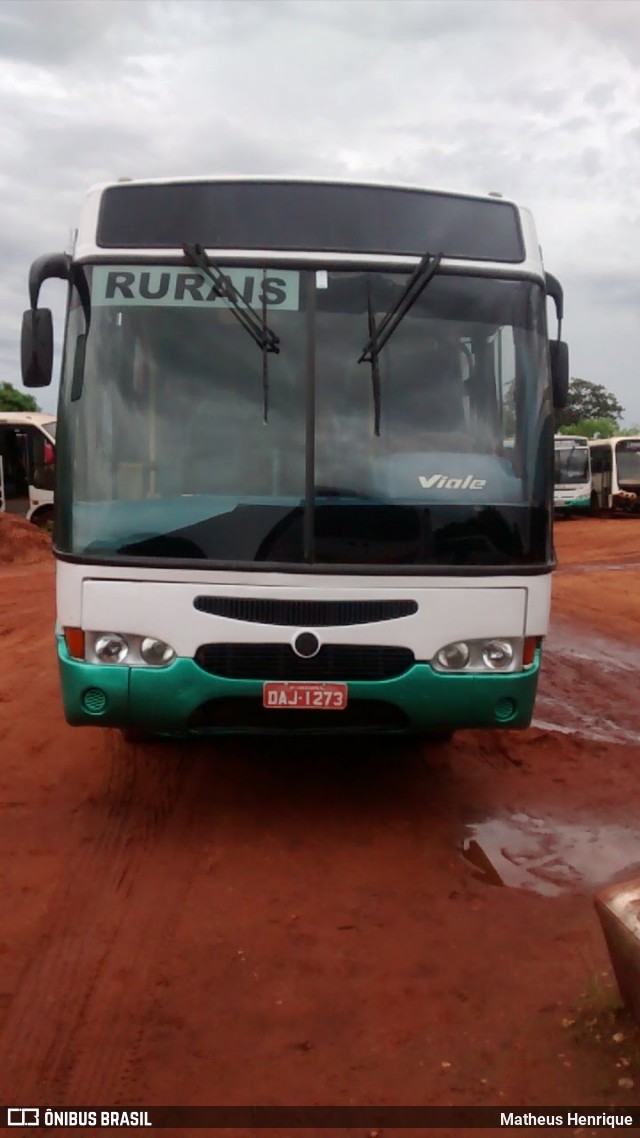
pixel 247 923
pixel 21 542
pixel 551 856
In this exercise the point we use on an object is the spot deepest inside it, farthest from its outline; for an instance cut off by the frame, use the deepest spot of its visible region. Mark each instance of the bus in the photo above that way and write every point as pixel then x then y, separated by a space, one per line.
pixel 283 498
pixel 615 472
pixel 27 465
pixel 572 489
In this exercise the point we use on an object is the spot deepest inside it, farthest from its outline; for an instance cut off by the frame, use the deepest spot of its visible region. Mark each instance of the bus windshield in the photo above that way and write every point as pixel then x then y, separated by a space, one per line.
pixel 174 452
pixel 571 463
pixel 628 460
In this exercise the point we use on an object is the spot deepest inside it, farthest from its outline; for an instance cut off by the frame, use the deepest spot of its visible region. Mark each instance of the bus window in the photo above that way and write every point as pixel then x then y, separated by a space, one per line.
pixel 13 451
pixel 41 460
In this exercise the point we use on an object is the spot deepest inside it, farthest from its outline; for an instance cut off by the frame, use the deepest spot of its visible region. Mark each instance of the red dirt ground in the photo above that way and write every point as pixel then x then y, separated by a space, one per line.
pixel 21 542
pixel 245 923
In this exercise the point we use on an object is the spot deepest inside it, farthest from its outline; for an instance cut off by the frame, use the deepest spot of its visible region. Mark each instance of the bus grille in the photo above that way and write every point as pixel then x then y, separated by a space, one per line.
pixel 279 662
pixel 237 713
pixel 304 614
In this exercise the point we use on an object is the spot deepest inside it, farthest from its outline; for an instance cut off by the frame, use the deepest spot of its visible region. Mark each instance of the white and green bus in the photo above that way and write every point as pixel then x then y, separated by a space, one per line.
pixel 27 465
pixel 283 498
pixel 615 469
pixel 572 489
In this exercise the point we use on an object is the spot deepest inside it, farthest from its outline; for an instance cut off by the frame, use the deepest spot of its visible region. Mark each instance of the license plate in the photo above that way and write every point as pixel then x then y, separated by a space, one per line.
pixel 321 697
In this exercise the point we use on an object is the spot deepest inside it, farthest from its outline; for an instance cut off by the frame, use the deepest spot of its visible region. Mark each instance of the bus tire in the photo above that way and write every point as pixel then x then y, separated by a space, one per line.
pixel 44 519
pixel 133 735
pixel 439 737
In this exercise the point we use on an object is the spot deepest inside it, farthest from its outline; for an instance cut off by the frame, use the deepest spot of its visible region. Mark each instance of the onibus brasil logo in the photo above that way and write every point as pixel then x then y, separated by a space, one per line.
pixel 36 1116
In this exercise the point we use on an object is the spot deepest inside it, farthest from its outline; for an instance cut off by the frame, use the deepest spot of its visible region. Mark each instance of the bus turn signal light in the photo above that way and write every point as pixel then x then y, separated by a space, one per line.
pixel 74 639
pixel 529 654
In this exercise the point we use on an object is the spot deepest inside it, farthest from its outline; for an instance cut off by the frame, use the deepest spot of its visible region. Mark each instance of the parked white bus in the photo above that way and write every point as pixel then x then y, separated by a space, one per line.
pixel 283 499
pixel 615 473
pixel 572 489
pixel 27 465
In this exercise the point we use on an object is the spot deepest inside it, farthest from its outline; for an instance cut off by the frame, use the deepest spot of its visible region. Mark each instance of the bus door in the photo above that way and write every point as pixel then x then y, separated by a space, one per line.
pixel 28 469
pixel 606 499
pixel 601 476
pixel 15 475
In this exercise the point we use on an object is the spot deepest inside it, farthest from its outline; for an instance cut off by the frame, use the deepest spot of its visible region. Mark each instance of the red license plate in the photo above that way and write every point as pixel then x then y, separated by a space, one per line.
pixel 321 697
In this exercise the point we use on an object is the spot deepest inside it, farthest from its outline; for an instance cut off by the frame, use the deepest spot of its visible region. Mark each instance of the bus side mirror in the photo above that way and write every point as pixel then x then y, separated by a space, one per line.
pixel 553 288
pixel 37 347
pixel 37 323
pixel 559 357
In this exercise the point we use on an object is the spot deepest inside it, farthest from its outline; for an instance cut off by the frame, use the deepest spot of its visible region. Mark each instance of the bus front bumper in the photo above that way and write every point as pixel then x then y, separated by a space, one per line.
pixel 182 699
pixel 581 503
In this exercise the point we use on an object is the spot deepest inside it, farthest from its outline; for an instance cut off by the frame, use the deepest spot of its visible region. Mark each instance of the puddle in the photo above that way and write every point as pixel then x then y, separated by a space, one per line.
pixel 550 857
pixel 599 567
pixel 598 651
pixel 594 728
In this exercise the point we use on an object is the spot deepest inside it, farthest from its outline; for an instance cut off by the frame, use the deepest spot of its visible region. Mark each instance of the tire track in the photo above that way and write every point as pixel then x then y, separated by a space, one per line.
pixel 156 896
pixel 112 895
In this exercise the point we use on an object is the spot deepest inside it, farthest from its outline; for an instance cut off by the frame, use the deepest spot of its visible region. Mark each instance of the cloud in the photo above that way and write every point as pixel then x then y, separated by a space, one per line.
pixel 538 100
pixel 61 34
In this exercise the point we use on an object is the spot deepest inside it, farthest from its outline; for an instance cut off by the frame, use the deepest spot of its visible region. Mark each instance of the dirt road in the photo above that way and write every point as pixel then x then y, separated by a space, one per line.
pixel 251 923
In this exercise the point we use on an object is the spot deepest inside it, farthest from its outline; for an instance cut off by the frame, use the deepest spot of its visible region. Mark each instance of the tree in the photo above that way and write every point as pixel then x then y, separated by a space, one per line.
pixel 588 401
pixel 591 428
pixel 13 400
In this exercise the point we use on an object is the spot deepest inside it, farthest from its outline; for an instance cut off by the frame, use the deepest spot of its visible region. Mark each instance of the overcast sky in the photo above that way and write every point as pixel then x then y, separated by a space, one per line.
pixel 537 99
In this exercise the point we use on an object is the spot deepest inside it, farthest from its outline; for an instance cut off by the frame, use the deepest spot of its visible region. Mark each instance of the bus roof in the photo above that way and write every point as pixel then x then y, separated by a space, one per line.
pixel 25 418
pixel 571 439
pixel 298 180
pixel 152 218
pixel 614 439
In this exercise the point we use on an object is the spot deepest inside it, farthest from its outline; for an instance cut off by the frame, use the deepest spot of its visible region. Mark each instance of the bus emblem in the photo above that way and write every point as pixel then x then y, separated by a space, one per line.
pixel 443 482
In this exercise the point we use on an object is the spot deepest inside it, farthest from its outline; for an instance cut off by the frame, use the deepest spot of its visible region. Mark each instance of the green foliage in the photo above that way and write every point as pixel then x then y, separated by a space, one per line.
pixel 591 428
pixel 590 401
pixel 13 400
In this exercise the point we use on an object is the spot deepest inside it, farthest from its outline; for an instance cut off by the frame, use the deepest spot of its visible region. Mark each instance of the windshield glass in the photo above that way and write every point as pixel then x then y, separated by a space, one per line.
pixel 628 459
pixel 571 464
pixel 170 455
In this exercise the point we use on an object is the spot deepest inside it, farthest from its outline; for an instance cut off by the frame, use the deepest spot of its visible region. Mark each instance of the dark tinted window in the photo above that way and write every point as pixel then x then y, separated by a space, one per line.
pixel 628 461
pixel 314 217
pixel 600 459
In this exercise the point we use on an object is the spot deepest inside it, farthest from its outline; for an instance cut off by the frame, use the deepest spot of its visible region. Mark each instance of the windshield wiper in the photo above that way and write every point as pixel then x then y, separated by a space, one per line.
pixel 379 336
pixel 375 366
pixel 258 329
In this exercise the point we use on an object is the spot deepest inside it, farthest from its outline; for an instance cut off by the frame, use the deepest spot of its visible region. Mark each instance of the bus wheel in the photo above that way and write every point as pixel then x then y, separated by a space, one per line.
pixel 44 520
pixel 437 738
pixel 594 509
pixel 135 735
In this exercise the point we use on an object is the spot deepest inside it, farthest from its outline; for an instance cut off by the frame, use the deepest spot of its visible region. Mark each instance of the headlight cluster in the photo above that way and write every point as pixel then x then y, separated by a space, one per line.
pixel 480 656
pixel 131 651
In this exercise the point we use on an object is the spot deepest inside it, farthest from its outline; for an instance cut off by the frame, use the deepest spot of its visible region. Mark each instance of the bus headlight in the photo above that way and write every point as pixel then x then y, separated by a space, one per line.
pixel 453 657
pixel 156 652
pixel 497 654
pixel 130 650
pixel 485 655
pixel 110 648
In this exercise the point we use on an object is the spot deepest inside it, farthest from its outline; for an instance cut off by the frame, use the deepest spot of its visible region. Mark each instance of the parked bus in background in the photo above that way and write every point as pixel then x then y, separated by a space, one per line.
pixel 27 465
pixel 615 474
pixel 572 489
pixel 283 498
